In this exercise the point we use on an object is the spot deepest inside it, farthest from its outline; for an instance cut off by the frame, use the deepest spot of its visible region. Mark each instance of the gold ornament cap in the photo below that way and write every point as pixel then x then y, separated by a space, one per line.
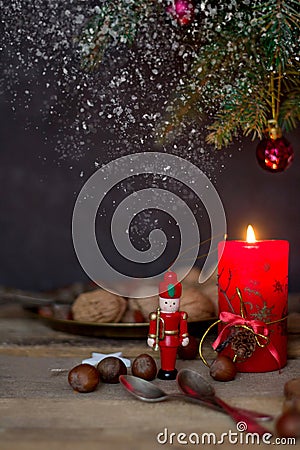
pixel 274 130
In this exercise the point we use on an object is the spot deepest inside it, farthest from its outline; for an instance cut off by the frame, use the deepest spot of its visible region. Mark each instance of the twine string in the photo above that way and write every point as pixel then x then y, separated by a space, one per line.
pixel 230 320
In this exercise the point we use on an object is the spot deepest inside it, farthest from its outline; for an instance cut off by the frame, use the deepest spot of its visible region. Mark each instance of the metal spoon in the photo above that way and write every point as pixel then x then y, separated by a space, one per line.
pixel 193 384
pixel 148 392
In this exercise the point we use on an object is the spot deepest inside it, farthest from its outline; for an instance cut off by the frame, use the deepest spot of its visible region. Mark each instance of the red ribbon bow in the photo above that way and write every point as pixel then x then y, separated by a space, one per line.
pixel 259 328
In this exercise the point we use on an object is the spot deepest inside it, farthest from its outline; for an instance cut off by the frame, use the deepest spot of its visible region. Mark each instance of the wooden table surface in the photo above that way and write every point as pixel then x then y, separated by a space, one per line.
pixel 39 410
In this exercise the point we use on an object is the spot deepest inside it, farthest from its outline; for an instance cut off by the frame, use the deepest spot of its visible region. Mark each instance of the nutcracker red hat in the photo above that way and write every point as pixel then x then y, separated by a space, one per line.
pixel 170 287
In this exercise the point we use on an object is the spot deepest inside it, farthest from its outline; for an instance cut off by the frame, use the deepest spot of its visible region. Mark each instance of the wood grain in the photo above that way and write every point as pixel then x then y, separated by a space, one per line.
pixel 39 410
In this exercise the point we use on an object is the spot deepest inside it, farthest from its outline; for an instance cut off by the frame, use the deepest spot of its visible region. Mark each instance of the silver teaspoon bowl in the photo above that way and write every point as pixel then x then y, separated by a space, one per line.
pixel 149 392
pixel 193 384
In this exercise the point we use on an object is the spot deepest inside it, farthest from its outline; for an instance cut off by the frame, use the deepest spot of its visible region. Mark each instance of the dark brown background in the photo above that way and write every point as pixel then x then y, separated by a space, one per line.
pixel 37 199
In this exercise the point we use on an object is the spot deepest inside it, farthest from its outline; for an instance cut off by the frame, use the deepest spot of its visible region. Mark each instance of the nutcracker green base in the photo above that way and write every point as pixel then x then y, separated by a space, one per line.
pixel 167 374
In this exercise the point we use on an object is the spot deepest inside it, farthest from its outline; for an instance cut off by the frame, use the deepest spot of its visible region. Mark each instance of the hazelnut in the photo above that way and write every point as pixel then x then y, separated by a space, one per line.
pixel 190 351
pixel 144 367
pixel 223 369
pixel 110 369
pixel 292 388
pixel 292 403
pixel 84 378
pixel 288 424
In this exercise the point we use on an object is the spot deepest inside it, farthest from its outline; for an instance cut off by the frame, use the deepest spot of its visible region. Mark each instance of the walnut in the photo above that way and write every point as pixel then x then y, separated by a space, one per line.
pixel 144 305
pixel 209 288
pixel 192 277
pixel 197 305
pixel 99 306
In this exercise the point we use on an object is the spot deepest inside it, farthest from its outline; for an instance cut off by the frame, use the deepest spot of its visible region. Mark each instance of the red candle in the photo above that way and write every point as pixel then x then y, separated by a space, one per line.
pixel 253 288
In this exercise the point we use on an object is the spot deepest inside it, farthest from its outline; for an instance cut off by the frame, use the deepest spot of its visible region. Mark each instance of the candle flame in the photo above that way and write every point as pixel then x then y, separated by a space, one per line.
pixel 250 235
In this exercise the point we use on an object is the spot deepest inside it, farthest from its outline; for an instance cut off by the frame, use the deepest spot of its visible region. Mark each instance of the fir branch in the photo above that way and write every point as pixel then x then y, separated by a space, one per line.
pixel 233 70
pixel 246 112
pixel 289 114
pixel 204 90
pixel 115 22
pixel 276 24
pixel 238 49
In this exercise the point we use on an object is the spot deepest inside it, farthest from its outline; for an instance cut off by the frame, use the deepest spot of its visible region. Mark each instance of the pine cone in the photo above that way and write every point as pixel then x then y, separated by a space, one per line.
pixel 243 344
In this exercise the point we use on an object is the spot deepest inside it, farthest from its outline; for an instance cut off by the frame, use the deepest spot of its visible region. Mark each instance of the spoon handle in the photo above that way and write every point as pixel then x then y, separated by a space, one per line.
pixel 207 403
pixel 238 416
pixel 247 412
pixel 255 415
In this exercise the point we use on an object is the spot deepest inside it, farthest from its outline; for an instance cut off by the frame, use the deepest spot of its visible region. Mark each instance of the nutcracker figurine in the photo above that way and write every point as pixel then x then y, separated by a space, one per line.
pixel 168 326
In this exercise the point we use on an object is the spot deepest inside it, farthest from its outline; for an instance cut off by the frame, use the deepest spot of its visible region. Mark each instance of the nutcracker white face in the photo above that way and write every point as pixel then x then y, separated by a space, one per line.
pixel 169 304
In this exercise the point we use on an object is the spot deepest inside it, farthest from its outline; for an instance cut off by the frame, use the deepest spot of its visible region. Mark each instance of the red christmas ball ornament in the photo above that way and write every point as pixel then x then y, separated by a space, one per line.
pixel 274 155
pixel 182 11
